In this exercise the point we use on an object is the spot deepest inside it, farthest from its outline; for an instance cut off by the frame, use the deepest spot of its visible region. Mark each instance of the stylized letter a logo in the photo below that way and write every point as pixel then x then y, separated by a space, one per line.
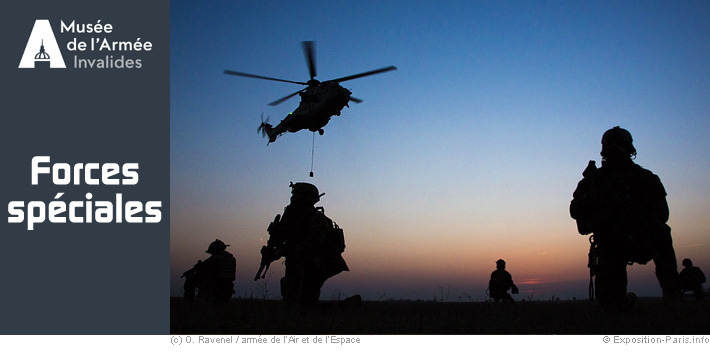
pixel 42 48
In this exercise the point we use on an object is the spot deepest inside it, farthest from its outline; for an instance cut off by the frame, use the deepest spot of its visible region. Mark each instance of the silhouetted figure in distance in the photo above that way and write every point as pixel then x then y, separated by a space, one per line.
pixel 624 206
pixel 212 279
pixel 692 278
pixel 501 281
pixel 311 243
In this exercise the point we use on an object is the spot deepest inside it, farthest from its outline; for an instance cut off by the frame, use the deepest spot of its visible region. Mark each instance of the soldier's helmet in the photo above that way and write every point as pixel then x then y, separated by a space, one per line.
pixel 687 262
pixel 500 264
pixel 308 192
pixel 617 139
pixel 216 246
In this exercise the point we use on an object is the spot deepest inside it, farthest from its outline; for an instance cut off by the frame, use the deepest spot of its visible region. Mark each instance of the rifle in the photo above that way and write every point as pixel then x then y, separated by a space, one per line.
pixel 193 270
pixel 268 252
pixel 266 259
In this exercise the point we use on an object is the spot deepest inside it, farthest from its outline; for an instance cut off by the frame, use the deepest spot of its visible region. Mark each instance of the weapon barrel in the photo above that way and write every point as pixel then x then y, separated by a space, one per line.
pixel 258 273
pixel 194 268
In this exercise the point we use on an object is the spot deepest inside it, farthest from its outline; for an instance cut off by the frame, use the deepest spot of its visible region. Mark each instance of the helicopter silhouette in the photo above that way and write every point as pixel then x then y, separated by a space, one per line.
pixel 320 100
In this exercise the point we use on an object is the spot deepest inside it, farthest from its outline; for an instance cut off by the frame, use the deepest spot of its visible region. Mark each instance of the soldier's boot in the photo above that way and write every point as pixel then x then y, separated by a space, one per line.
pixel 189 296
pixel 621 306
pixel 672 296
pixel 352 303
pixel 670 284
pixel 630 302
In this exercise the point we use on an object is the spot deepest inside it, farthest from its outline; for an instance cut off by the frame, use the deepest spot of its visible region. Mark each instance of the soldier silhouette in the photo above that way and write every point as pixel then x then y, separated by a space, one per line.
pixel 624 206
pixel 213 279
pixel 311 243
pixel 692 278
pixel 501 281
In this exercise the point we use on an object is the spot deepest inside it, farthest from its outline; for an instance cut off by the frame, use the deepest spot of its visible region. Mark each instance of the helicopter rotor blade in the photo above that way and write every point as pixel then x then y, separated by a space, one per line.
pixel 232 72
pixel 355 100
pixel 310 53
pixel 372 72
pixel 284 98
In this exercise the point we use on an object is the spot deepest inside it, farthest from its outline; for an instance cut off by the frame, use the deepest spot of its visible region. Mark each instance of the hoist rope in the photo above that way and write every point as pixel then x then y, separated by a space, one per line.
pixel 313 148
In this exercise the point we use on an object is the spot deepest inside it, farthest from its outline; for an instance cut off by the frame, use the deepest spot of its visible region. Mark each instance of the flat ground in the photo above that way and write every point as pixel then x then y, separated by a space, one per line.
pixel 252 316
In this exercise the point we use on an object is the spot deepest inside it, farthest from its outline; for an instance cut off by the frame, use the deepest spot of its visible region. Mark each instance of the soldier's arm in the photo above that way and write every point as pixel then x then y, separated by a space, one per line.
pixel 510 280
pixel 655 204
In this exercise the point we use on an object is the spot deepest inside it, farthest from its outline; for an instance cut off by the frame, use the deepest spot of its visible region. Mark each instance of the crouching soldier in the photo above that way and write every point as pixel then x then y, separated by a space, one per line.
pixel 692 279
pixel 501 281
pixel 212 279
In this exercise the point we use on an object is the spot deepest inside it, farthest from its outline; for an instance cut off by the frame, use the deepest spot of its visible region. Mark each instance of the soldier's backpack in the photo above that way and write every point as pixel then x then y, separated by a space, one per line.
pixel 336 237
pixel 605 200
pixel 333 247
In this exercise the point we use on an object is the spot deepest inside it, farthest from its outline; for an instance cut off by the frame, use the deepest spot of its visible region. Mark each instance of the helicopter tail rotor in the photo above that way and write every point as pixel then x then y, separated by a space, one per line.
pixel 267 129
pixel 263 126
pixel 264 129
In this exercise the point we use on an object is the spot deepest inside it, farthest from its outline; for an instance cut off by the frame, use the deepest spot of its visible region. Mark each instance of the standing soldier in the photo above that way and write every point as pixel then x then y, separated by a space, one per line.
pixel 311 243
pixel 624 206
pixel 500 283
pixel 213 278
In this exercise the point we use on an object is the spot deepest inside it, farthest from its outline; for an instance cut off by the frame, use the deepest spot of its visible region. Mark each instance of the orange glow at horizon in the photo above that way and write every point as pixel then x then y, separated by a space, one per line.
pixel 532 282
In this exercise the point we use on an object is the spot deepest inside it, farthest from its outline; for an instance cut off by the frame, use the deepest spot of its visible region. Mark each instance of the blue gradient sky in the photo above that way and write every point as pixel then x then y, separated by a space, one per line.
pixel 468 153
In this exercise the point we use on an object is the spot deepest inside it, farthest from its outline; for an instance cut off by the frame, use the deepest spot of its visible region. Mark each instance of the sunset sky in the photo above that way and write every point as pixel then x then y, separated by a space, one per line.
pixel 468 153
